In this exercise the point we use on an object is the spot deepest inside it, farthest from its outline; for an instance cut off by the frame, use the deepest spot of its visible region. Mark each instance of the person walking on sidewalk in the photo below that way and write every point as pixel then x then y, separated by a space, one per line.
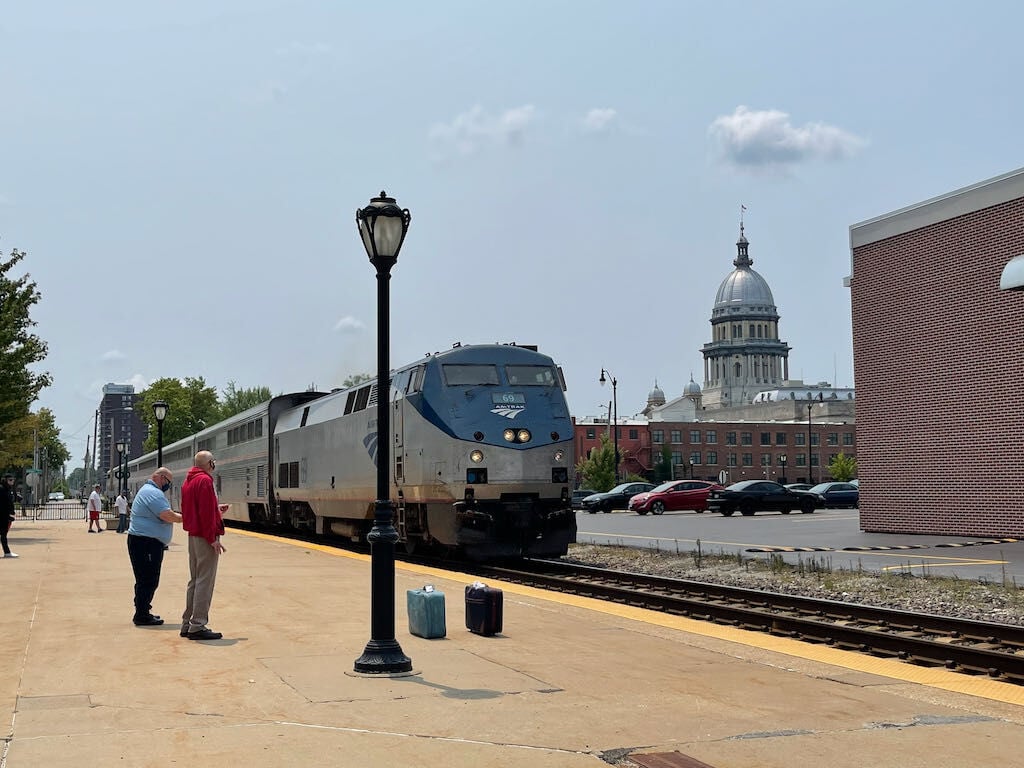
pixel 202 518
pixel 94 507
pixel 6 512
pixel 121 502
pixel 149 533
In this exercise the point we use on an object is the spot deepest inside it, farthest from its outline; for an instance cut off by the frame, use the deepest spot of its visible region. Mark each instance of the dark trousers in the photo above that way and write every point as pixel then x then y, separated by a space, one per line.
pixel 147 556
pixel 5 526
pixel 122 523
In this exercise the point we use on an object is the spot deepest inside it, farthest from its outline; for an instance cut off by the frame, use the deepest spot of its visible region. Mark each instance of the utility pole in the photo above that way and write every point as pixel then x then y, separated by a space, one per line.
pixel 85 467
pixel 95 448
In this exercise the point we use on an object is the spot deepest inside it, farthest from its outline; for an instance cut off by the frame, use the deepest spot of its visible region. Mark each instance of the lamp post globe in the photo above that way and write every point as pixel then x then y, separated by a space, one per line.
pixel 782 461
pixel 382 228
pixel 160 409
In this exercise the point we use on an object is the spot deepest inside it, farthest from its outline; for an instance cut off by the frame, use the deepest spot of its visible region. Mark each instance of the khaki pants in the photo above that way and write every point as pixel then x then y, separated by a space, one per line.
pixel 202 566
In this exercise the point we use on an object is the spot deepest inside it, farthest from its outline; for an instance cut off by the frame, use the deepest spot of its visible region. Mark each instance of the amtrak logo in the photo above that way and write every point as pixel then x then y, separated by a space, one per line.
pixel 508 411
pixel 370 443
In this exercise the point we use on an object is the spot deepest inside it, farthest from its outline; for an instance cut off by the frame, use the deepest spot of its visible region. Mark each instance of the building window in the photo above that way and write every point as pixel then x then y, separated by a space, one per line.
pixel 847 438
pixel 731 460
pixel 766 438
pixel 591 433
pixel 695 458
pixel 730 438
pixel 814 459
pixel 815 439
pixel 695 436
pixel 833 438
pixel 711 436
pixel 676 436
pixel 799 439
pixel 677 458
pixel 780 438
pixel 634 434
pixel 748 459
pixel 801 459
pixel 712 457
pixel 657 436
pixel 746 438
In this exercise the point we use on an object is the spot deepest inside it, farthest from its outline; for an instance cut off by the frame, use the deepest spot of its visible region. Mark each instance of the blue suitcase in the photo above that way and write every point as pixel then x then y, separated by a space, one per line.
pixel 484 607
pixel 426 612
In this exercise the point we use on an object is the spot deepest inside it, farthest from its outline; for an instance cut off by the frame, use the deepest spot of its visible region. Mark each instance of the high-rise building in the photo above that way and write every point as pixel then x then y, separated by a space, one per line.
pixel 118 420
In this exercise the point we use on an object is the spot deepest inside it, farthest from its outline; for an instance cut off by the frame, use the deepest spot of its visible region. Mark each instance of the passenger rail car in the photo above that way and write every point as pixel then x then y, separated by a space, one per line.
pixel 480 456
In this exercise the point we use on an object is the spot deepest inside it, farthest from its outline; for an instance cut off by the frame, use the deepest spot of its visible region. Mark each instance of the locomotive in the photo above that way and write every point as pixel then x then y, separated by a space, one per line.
pixel 480 456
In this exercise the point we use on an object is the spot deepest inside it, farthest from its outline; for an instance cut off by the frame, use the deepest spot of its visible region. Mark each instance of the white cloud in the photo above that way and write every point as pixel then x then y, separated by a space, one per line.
pixel 349 324
pixel 470 131
pixel 767 139
pixel 599 120
pixel 112 355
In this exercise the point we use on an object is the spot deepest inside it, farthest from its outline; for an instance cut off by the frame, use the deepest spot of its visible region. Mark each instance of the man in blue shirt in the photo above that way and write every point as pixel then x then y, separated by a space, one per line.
pixel 149 532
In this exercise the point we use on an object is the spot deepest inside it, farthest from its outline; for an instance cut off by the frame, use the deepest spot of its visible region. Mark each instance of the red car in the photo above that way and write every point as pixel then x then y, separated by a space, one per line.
pixel 673 496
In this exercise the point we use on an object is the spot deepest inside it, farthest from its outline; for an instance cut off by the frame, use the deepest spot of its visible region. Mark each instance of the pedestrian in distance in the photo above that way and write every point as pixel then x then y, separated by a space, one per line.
pixel 94 507
pixel 6 512
pixel 203 518
pixel 149 533
pixel 121 502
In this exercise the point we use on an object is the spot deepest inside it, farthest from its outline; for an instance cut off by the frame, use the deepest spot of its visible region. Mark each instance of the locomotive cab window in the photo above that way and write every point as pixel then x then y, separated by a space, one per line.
pixel 531 375
pixel 470 375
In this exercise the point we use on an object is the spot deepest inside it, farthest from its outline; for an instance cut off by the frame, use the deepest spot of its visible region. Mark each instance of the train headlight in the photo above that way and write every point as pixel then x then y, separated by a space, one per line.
pixel 476 456
pixel 510 435
pixel 559 455
pixel 523 435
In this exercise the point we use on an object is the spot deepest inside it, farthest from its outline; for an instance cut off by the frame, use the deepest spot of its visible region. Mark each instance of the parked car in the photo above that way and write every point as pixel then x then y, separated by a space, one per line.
pixel 579 495
pixel 838 495
pixel 673 496
pixel 750 496
pixel 617 498
pixel 799 486
pixel 56 496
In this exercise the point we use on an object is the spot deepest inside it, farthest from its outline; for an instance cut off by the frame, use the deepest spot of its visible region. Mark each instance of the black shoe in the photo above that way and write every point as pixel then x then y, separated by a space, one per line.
pixel 184 630
pixel 148 621
pixel 204 634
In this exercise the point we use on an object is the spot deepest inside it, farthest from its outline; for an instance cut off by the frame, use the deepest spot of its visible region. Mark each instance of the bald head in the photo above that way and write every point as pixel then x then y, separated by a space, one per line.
pixel 204 460
pixel 161 476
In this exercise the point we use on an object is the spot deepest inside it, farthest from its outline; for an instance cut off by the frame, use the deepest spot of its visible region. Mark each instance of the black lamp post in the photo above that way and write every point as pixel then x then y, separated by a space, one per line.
pixel 382 227
pixel 122 464
pixel 615 418
pixel 782 461
pixel 810 460
pixel 160 409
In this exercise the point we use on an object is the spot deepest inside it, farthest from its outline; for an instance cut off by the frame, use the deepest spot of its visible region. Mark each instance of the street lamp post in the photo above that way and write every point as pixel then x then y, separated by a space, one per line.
pixel 382 227
pixel 615 418
pixel 160 409
pixel 810 460
pixel 782 461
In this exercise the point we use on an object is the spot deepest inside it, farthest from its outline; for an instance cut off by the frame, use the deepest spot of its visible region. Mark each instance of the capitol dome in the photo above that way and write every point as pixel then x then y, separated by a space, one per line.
pixel 743 287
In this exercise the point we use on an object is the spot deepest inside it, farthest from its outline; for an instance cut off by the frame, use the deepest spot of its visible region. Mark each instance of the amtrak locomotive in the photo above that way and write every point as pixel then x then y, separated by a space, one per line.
pixel 480 455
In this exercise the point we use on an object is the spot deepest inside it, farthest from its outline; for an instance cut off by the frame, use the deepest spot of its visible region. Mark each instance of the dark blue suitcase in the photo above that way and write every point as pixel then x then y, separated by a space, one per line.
pixel 484 607
pixel 426 612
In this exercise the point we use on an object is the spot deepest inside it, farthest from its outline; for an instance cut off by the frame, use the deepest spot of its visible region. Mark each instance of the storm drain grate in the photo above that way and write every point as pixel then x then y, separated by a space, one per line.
pixel 668 760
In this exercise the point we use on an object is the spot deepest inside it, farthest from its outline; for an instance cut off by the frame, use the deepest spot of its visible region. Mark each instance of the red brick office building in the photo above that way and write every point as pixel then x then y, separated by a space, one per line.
pixel 938 356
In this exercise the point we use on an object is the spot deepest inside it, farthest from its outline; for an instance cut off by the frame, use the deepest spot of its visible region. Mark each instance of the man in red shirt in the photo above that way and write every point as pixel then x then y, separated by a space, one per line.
pixel 202 518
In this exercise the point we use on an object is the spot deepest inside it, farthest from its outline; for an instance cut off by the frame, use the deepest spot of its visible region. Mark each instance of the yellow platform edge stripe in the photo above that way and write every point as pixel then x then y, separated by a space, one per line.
pixel 934 677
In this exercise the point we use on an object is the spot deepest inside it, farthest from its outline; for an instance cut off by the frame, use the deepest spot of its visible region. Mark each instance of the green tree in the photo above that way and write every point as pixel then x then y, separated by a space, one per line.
pixel 843 468
pixel 598 471
pixel 191 406
pixel 663 465
pixel 24 436
pixel 236 400
pixel 356 379
pixel 19 386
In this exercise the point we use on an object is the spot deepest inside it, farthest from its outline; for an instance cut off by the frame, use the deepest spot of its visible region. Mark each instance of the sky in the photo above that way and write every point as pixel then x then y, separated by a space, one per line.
pixel 184 177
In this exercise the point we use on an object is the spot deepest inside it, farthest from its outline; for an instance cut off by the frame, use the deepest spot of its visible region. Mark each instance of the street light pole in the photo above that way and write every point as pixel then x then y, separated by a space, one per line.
pixel 160 409
pixel 615 417
pixel 382 227
pixel 782 461
pixel 810 464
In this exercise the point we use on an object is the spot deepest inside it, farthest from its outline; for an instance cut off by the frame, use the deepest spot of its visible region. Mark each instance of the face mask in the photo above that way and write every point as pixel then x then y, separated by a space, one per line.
pixel 165 487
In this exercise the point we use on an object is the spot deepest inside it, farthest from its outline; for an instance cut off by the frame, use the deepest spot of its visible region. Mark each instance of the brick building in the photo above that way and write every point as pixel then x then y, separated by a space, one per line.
pixel 937 355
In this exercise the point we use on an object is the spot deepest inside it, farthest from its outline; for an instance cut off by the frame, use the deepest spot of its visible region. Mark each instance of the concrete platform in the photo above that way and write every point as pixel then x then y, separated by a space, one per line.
pixel 571 682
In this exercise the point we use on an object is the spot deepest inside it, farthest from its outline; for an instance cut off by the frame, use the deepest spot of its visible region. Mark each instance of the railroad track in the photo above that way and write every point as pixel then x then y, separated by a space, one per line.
pixel 970 647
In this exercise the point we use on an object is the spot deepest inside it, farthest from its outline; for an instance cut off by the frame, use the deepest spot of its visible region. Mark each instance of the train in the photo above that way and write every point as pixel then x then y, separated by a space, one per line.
pixel 480 457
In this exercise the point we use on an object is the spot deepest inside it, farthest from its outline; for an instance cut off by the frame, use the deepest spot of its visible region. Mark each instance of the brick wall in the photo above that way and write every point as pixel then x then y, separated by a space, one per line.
pixel 938 357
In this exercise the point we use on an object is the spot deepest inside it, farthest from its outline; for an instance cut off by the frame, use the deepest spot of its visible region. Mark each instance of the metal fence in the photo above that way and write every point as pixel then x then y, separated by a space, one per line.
pixel 70 509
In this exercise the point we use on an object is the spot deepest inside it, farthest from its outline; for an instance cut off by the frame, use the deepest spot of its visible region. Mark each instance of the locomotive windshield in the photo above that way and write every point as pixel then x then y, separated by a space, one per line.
pixel 531 375
pixel 470 375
